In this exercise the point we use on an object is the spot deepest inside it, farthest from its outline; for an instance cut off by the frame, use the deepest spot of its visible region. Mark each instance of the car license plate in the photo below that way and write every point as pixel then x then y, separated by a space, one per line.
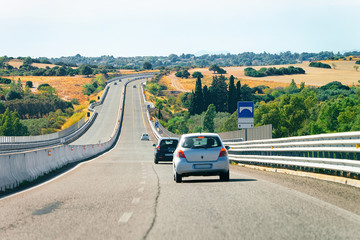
pixel 202 166
pixel 168 154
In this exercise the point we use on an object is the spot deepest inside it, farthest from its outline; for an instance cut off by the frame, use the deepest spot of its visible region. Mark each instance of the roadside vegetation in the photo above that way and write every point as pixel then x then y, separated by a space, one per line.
pixel 295 110
pixel 272 71
pixel 44 96
pixel 319 65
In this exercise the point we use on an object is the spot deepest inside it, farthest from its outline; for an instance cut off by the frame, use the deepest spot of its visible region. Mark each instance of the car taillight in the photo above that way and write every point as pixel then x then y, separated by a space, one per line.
pixel 223 153
pixel 158 148
pixel 180 154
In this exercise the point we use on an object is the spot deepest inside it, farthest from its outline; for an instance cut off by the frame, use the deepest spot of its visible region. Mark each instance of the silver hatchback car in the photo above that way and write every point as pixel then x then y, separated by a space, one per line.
pixel 201 154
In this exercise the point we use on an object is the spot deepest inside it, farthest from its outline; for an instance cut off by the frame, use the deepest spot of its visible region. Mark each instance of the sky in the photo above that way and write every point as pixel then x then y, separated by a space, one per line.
pixel 127 28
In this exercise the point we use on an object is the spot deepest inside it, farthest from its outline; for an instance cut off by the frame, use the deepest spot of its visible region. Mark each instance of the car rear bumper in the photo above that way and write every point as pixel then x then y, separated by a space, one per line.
pixel 186 168
pixel 162 157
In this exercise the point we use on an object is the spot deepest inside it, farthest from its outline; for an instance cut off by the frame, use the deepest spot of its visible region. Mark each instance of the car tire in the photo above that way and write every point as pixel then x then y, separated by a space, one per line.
pixel 156 161
pixel 177 178
pixel 225 177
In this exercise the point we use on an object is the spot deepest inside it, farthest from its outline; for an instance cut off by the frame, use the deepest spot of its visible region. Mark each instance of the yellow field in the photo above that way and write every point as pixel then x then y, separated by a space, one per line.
pixel 344 72
pixel 67 87
pixel 16 63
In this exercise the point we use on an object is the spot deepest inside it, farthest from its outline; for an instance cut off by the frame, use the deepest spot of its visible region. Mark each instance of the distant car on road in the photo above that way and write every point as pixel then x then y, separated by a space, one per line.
pixel 145 136
pixel 201 154
pixel 165 148
pixel 134 86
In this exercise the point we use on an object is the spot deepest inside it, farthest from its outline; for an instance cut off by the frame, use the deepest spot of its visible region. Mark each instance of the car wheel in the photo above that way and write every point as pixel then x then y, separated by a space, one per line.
pixel 178 178
pixel 225 176
pixel 156 161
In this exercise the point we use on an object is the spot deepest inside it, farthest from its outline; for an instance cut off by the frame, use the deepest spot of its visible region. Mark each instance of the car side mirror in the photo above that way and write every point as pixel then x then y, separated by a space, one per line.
pixel 154 145
pixel 227 147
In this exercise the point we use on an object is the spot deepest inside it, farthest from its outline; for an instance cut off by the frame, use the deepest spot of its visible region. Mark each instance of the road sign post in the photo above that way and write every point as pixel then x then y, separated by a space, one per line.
pixel 245 116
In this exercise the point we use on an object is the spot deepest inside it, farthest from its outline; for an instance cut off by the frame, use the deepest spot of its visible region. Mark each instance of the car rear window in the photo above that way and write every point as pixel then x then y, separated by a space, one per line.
pixel 201 142
pixel 169 143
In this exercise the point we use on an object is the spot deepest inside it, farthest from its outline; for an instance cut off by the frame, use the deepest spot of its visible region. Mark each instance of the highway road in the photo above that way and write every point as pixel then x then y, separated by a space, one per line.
pixel 103 125
pixel 122 194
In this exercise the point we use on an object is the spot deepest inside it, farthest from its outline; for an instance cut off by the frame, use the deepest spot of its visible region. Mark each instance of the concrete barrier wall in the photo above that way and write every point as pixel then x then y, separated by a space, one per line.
pixel 16 168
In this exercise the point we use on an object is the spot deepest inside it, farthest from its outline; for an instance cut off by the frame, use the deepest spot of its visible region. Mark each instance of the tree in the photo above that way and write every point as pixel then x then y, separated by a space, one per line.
pixel 334 65
pixel 29 84
pixel 221 71
pixel 356 67
pixel 232 100
pixel 197 75
pixel 27 61
pixel 10 124
pixel 11 95
pixel 207 97
pixel 43 86
pixel 214 68
pixel 219 93
pixel 185 73
pixel 292 87
pixel 198 98
pixel 208 122
pixel 85 70
pixel 147 65
pixel 179 74
pixel 231 124
pixel 238 91
pixel 62 72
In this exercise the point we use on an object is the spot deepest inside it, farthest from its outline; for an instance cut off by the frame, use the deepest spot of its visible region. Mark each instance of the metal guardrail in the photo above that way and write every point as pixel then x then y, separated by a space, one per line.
pixel 336 153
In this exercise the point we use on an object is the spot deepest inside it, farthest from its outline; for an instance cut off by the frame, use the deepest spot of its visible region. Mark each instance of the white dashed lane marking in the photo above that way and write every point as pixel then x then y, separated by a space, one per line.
pixel 136 200
pixel 125 217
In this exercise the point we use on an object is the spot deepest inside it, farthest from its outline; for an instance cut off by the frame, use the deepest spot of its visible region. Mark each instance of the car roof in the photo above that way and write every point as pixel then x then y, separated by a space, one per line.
pixel 200 134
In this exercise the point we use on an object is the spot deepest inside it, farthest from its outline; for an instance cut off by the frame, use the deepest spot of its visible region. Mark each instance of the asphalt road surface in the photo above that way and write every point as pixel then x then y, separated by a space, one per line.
pixel 124 195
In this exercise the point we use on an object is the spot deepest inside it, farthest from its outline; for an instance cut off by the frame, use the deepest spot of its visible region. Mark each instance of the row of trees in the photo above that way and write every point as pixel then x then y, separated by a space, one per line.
pixel 319 65
pixel 205 60
pixel 262 72
pixel 222 95
pixel 65 69
pixel 307 111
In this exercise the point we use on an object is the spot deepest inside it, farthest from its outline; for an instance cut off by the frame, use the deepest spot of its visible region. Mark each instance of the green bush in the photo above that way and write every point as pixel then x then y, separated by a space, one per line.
pixel 319 65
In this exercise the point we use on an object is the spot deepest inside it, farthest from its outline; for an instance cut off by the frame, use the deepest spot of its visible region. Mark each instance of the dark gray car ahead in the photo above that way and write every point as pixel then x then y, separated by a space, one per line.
pixel 164 149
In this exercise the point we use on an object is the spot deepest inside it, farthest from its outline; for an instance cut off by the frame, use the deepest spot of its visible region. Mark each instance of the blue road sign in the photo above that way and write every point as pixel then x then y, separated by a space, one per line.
pixel 156 124
pixel 245 114
pixel 245 109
